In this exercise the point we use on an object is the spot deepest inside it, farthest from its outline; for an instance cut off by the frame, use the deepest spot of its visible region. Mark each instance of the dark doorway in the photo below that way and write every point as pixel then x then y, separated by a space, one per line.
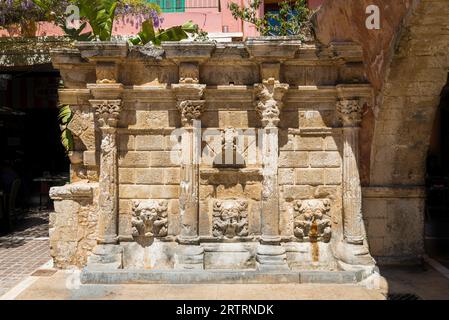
pixel 31 152
pixel 437 185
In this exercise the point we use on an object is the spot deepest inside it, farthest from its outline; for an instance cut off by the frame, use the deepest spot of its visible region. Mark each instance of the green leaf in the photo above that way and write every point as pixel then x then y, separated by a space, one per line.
pixel 171 34
pixel 147 34
pixel 65 116
pixel 190 27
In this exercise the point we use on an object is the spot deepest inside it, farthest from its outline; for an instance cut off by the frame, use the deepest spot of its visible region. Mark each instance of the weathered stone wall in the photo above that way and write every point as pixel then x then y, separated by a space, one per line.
pixel 73 224
pixel 407 64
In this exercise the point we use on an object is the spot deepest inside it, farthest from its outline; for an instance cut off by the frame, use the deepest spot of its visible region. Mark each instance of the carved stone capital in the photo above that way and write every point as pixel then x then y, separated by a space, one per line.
pixel 191 110
pixel 350 112
pixel 312 221
pixel 107 112
pixel 269 96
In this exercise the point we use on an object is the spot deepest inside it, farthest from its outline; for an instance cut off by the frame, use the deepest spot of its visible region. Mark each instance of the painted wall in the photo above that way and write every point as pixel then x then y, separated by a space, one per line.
pixel 209 19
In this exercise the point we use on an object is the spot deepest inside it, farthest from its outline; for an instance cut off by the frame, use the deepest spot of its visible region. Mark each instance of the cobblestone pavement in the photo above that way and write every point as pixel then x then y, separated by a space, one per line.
pixel 24 250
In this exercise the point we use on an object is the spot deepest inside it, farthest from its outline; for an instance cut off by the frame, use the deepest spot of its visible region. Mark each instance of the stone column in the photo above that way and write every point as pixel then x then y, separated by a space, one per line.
pixel 350 114
pixel 107 254
pixel 269 95
pixel 356 251
pixel 190 254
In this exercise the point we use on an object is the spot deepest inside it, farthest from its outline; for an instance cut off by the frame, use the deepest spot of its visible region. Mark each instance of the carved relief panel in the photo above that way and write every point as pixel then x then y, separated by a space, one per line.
pixel 311 220
pixel 230 218
pixel 149 218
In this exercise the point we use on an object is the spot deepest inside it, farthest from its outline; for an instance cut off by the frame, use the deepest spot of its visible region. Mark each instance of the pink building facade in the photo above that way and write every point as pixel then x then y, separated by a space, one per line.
pixel 212 16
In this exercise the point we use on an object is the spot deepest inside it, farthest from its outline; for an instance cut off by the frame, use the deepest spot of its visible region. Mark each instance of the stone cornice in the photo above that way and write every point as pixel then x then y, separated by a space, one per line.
pixel 80 190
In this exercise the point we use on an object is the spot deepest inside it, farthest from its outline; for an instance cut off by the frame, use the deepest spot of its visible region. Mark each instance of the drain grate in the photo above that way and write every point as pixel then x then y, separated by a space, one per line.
pixel 403 297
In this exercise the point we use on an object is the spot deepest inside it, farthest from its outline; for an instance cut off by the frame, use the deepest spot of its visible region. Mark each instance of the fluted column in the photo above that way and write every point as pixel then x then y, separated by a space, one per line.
pixel 107 254
pixel 108 112
pixel 190 254
pixel 354 248
pixel 350 114
pixel 269 95
pixel 191 152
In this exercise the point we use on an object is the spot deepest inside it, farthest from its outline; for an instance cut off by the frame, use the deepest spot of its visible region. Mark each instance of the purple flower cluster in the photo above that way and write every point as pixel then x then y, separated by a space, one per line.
pixel 136 14
pixel 17 11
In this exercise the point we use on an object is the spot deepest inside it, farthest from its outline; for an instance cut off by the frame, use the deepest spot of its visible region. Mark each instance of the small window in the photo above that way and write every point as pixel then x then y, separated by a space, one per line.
pixel 170 5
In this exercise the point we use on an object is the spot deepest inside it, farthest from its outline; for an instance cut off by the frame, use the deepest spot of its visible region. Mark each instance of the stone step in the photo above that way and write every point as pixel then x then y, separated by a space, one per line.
pixel 89 276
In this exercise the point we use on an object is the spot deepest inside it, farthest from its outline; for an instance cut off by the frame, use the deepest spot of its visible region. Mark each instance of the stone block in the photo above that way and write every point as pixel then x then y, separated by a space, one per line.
pixel 253 191
pixel 290 193
pixel 286 176
pixel 324 159
pixel 172 176
pixel 229 191
pixel 164 192
pixel 134 159
pixel 149 176
pixel 313 177
pixel 125 206
pixel 308 143
pixel 374 208
pixel 376 227
pixel 135 191
pixel 332 176
pixel 126 175
pixel 90 158
pixel 126 142
pixel 164 159
pixel 206 191
pixel 150 142
pixel 235 119
pixel 293 159
pixel 332 143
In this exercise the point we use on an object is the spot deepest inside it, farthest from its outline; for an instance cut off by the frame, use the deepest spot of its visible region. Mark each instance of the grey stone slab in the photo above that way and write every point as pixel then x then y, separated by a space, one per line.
pixel 89 276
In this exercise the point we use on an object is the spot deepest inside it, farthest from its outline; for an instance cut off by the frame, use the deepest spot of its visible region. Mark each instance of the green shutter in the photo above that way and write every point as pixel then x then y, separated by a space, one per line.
pixel 170 5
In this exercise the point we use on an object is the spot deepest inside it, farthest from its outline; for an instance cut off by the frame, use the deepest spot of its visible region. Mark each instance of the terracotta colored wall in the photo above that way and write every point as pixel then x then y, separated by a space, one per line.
pixel 340 20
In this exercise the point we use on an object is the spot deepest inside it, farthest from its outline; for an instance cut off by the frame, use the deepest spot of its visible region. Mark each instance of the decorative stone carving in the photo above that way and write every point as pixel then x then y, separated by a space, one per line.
pixel 269 101
pixel 229 157
pixel 150 218
pixel 312 222
pixel 107 111
pixel 190 110
pixel 350 112
pixel 230 218
pixel 106 72
pixel 189 72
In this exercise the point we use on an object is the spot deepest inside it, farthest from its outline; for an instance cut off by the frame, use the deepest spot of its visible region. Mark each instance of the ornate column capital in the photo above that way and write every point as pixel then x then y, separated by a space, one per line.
pixel 350 112
pixel 191 110
pixel 269 96
pixel 107 112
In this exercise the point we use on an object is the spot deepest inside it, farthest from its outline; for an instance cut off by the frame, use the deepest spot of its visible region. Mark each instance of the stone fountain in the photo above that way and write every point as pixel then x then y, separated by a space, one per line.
pixel 215 163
